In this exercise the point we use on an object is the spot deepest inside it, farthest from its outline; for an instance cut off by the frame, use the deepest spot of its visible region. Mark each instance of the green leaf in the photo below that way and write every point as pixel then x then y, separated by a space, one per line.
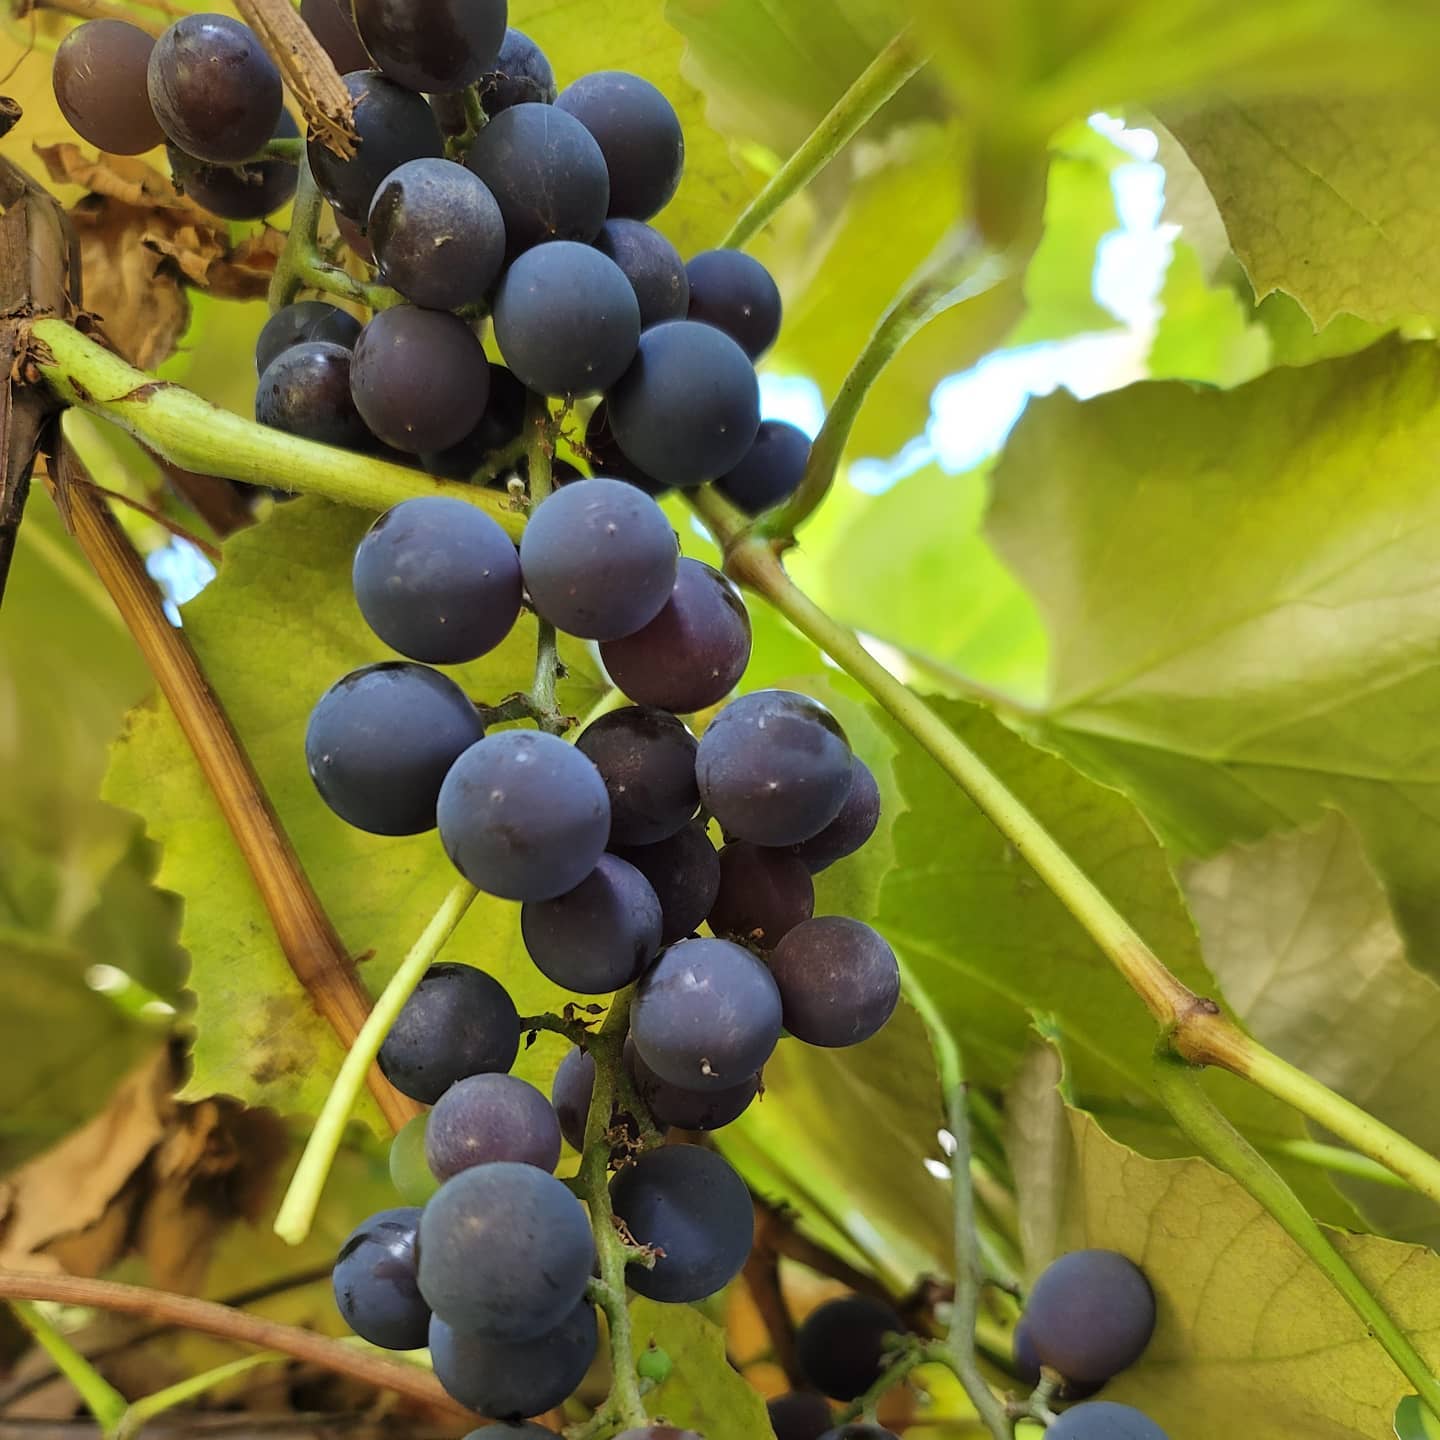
pixel 1250 1334
pixel 1414 1422
pixel 1299 932
pixel 1206 333
pixel 275 629
pixel 1294 340
pixel 704 1391
pixel 1243 619
pixel 1307 189
pixel 990 943
pixel 580 36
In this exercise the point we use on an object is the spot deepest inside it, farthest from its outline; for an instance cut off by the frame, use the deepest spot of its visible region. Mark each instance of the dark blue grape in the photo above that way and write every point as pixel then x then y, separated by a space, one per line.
pixel 1027 1368
pixel 659 1432
pixel 521 76
pixel 772 469
pixel 524 816
pixel 485 1118
pixel 693 653
pixel 606 458
pixel 599 936
pixel 653 267
pixel 547 174
pixel 500 426
pixel 639 134
pixel 438 580
pixel 99 81
pixel 1104 1420
pixel 442 45
pixel 687 1109
pixel 684 872
pixel 394 125
pixel 420 378
pixel 838 980
pixel 518 1430
pixel 688 1203
pixel 774 768
pixel 706 1015
pixel 688 408
pixel 570 1095
pixel 302 321
pixel 381 741
pixel 859 1430
pixel 239 192
pixel 515 1378
pixel 799 1415
pixel 213 88
pixel 459 1021
pixel 598 557
pixel 305 391
pixel 763 895
pixel 374 1279
pixel 735 293
pixel 505 1253
pixel 646 758
pixel 333 25
pixel 437 234
pixel 851 828
pixel 1090 1315
pixel 841 1345
pixel 566 319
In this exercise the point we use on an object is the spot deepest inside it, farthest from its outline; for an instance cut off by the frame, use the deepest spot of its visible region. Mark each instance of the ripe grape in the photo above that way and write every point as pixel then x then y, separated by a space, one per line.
pixel 502 424
pixel 598 557
pixel 441 45
pixel 735 293
pixel 504 1430
pixel 381 741
pixel 607 458
pixel 687 1109
pixel 521 76
pixel 1104 1420
pixel 547 174
pixel 459 1021
pixel 510 1377
pixel 841 1346
pixel 851 828
pixel 302 321
pixel 410 1173
pixel 1090 1315
pixel 599 936
pixel 438 580
pixel 653 267
pixel 570 1095
pixel 688 1203
pixel 764 894
pixel 394 125
pixel 214 90
pixel 238 192
pixel 524 816
pixel 838 981
pixel 333 25
pixel 771 470
pixel 374 1279
pixel 659 1432
pixel 99 80
pixel 485 1118
pixel 505 1253
pixel 706 1015
pixel 646 758
pixel 420 378
pixel 799 1415
pixel 692 654
pixel 437 233
pixel 773 767
pixel 305 390
pixel 1027 1368
pixel 688 408
pixel 684 872
pixel 639 134
pixel 859 1430
pixel 566 319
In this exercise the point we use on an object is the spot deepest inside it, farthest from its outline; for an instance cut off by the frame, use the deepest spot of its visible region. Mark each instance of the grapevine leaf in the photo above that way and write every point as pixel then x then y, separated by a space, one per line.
pixel 275 628
pixel 1298 930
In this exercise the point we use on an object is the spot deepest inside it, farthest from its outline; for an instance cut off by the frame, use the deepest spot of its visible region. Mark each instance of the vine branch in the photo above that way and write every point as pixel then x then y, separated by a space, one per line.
pixel 308 939
pixel 208 1318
